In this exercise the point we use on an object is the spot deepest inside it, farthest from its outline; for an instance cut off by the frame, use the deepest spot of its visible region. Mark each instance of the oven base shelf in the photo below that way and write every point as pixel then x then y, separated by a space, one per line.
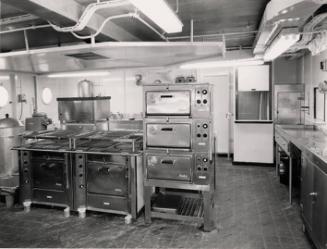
pixel 189 209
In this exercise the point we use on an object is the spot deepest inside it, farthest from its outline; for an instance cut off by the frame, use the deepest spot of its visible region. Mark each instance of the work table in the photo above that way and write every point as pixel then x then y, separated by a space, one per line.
pixel 309 139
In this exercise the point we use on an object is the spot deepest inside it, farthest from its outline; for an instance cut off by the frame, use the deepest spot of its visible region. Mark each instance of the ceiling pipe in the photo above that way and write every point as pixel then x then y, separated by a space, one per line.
pixel 191 35
pixel 281 14
pixel 177 6
pixel 128 15
pixel 25 28
pixel 88 13
pixel 309 32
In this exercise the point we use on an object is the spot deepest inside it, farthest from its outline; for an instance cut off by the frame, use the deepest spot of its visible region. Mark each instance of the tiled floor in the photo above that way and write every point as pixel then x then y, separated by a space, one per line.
pixel 252 212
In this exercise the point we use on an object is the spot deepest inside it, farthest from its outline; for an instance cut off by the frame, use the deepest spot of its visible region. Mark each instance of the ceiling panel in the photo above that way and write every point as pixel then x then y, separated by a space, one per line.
pixel 120 55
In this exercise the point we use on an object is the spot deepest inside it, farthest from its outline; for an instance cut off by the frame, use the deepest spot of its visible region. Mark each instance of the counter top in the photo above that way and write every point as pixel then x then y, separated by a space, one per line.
pixel 309 139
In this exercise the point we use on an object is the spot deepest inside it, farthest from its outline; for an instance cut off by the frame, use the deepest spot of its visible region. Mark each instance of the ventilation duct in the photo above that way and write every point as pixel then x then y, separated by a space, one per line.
pixel 283 14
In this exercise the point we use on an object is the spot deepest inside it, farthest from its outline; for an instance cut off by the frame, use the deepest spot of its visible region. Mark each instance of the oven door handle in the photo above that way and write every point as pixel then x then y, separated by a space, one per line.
pixel 165 96
pixel 167 129
pixel 107 170
pixel 168 161
pixel 48 166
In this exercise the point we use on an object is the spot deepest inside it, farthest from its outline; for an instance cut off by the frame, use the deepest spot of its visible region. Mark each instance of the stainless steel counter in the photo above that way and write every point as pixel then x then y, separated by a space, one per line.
pixel 308 138
pixel 312 143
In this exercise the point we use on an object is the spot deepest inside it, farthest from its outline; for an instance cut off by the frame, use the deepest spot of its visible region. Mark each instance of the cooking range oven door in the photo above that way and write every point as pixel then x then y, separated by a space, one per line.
pixel 107 175
pixel 50 177
pixel 49 173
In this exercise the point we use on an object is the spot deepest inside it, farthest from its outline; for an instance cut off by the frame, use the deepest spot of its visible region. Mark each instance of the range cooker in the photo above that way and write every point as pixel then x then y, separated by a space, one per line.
pixel 92 170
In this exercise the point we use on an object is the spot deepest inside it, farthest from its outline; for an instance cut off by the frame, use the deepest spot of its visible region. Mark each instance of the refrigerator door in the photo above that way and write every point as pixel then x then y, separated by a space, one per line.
pixel 289 107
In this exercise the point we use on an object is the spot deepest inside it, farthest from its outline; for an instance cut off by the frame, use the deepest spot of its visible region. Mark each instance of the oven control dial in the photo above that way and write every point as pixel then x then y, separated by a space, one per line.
pixel 205 159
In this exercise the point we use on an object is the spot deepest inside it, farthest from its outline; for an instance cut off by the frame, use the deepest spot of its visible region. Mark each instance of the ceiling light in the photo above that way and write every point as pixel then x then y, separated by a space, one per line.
pixel 221 63
pixel 4 77
pixel 286 39
pixel 160 13
pixel 115 79
pixel 284 11
pixel 78 74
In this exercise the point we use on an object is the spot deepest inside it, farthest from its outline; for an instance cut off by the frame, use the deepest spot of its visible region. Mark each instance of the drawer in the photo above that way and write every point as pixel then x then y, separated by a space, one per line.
pixel 47 196
pixel 107 202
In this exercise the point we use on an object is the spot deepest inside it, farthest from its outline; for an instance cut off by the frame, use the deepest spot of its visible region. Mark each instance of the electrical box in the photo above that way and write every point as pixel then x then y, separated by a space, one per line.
pixel 22 98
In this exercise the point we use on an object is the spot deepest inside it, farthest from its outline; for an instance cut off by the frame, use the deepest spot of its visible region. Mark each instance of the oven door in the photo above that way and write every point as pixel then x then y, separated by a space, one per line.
pixel 109 178
pixel 49 174
pixel 163 103
pixel 168 135
pixel 169 167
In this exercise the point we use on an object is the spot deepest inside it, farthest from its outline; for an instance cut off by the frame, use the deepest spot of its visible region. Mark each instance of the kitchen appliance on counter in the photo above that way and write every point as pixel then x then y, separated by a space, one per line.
pixel 178 152
pixel 10 131
pixel 92 112
pixel 38 122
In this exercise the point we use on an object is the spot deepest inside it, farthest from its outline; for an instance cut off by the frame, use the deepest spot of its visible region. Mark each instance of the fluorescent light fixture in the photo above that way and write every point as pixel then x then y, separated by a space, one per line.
pixel 285 39
pixel 4 77
pixel 222 63
pixel 78 74
pixel 160 13
pixel 113 79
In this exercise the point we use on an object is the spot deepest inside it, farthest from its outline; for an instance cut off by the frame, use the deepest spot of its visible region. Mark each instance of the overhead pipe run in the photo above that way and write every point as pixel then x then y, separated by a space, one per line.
pixel 128 15
pixel 88 13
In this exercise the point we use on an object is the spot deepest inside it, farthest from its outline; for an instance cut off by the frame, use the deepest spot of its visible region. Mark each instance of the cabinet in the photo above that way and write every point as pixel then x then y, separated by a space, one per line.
pixel 253 78
pixel 253 142
pixel 314 199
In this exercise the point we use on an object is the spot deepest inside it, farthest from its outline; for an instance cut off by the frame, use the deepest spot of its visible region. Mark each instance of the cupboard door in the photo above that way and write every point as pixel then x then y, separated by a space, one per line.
pixel 254 143
pixel 307 190
pixel 253 78
pixel 319 196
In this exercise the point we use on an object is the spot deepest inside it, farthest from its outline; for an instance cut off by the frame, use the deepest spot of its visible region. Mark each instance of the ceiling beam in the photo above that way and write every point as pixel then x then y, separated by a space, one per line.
pixel 67 13
pixel 17 19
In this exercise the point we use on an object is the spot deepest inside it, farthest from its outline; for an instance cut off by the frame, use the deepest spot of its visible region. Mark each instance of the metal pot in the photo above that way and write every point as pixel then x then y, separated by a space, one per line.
pixel 9 137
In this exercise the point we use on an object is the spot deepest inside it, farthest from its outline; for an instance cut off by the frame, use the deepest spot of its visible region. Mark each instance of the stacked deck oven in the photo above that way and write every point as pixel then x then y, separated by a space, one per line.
pixel 178 149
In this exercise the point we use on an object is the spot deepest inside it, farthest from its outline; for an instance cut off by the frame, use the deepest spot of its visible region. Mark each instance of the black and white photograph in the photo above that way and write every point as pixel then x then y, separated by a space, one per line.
pixel 163 124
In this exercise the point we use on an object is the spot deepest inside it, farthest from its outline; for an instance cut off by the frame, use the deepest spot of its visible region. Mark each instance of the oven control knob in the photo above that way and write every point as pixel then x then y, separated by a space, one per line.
pixel 205 159
pixel 81 186
pixel 204 92
pixel 205 101
pixel 198 101
pixel 199 168
pixel 27 181
pixel 205 126
pixel 205 135
pixel 198 135
pixel 25 170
